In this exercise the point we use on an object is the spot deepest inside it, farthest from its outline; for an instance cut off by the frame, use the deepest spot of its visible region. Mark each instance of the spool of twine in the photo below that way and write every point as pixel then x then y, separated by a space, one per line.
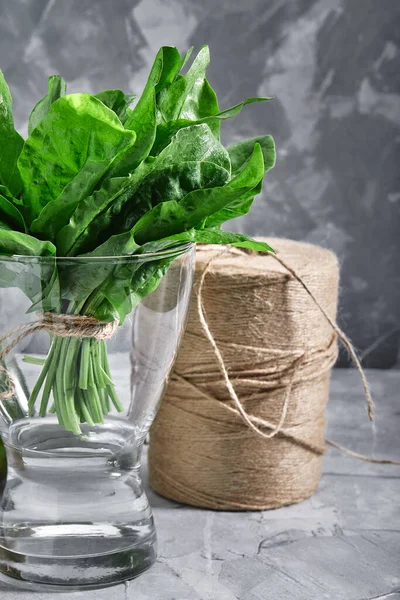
pixel 250 434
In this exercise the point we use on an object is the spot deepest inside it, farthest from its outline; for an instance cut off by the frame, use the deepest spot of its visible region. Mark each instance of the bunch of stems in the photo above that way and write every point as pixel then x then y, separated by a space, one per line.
pixel 76 374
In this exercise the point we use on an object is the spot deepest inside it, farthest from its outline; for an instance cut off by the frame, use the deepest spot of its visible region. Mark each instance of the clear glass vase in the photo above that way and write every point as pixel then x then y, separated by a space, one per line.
pixel 75 412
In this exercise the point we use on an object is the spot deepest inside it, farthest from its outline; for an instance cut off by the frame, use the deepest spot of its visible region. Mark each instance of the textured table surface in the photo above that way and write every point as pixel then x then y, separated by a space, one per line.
pixel 341 544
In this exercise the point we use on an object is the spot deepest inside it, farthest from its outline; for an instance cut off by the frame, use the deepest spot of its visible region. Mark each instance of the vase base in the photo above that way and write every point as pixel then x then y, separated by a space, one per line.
pixel 79 573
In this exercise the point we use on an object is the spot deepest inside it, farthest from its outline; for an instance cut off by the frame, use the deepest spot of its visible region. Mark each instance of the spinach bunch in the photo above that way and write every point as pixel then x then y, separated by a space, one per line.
pixel 114 175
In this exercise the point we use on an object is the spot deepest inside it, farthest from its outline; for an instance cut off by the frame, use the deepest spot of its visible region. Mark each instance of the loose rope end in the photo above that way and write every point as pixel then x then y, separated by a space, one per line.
pixel 341 335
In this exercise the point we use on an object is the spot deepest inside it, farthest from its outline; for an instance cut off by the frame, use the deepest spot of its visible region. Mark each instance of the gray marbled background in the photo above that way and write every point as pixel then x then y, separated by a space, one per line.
pixel 333 66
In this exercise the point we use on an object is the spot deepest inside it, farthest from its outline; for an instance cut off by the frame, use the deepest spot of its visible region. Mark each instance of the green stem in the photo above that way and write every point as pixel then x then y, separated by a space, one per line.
pixel 110 386
pixel 39 382
pixel 66 402
pixel 95 408
pixel 91 381
pixel 33 360
pixel 56 396
pixel 106 377
pixel 69 367
pixel 77 372
pixel 53 363
pixel 114 398
pixel 98 376
pixel 84 364
pixel 93 394
pixel 84 408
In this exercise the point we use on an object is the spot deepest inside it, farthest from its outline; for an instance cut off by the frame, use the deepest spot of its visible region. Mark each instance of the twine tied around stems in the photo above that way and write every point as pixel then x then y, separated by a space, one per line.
pixel 61 325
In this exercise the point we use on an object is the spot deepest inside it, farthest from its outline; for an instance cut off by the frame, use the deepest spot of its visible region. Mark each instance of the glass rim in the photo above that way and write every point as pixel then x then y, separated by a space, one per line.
pixel 178 250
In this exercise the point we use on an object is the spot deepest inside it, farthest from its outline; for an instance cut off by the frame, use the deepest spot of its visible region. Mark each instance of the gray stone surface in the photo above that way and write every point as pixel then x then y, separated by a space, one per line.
pixel 341 544
pixel 333 66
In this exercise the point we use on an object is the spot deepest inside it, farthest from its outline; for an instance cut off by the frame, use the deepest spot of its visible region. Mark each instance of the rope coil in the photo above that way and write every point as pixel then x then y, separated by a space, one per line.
pixel 280 348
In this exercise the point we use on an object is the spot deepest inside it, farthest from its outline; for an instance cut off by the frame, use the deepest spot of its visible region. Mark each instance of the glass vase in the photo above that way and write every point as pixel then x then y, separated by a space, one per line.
pixel 75 411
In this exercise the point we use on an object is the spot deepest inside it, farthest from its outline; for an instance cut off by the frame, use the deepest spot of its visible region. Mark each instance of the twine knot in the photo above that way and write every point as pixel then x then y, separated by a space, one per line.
pixel 62 325
pixel 77 326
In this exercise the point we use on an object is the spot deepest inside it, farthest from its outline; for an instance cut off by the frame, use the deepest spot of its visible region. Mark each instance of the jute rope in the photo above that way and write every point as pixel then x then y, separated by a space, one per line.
pixel 203 448
pixel 62 325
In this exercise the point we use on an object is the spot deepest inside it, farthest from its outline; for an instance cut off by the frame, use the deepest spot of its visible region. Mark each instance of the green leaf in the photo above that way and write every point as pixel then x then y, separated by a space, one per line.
pixel 142 119
pixel 228 113
pixel 10 215
pixel 58 212
pixel 73 145
pixel 239 207
pixel 215 236
pixel 117 101
pixel 170 65
pixel 170 218
pixel 185 57
pixel 147 280
pixel 121 244
pixel 14 242
pixel 56 89
pixel 166 130
pixel 241 151
pixel 190 97
pixel 48 295
pixel 240 154
pixel 11 142
pixel 144 279
pixel 34 278
pixel 91 273
pixel 194 159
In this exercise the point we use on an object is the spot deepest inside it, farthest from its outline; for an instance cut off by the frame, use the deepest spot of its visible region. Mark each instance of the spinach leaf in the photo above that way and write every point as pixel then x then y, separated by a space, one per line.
pixel 36 278
pixel 172 217
pixel 215 236
pixel 10 215
pixel 116 101
pixel 127 206
pixel 132 289
pixel 14 242
pixel 91 273
pixel 73 144
pixel 240 154
pixel 45 294
pixel 56 89
pixel 185 57
pixel 241 151
pixel 229 113
pixel 190 96
pixel 17 202
pixel 57 213
pixel 143 118
pixel 4 191
pixel 121 244
pixel 30 277
pixel 194 159
pixel 166 130
pixel 170 65
pixel 11 143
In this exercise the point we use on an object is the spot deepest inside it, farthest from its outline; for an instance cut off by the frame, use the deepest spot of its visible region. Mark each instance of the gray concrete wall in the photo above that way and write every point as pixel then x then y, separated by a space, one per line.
pixel 333 66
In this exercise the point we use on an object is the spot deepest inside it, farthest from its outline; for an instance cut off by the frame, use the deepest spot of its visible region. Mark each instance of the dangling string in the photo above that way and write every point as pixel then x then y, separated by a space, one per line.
pixel 256 424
